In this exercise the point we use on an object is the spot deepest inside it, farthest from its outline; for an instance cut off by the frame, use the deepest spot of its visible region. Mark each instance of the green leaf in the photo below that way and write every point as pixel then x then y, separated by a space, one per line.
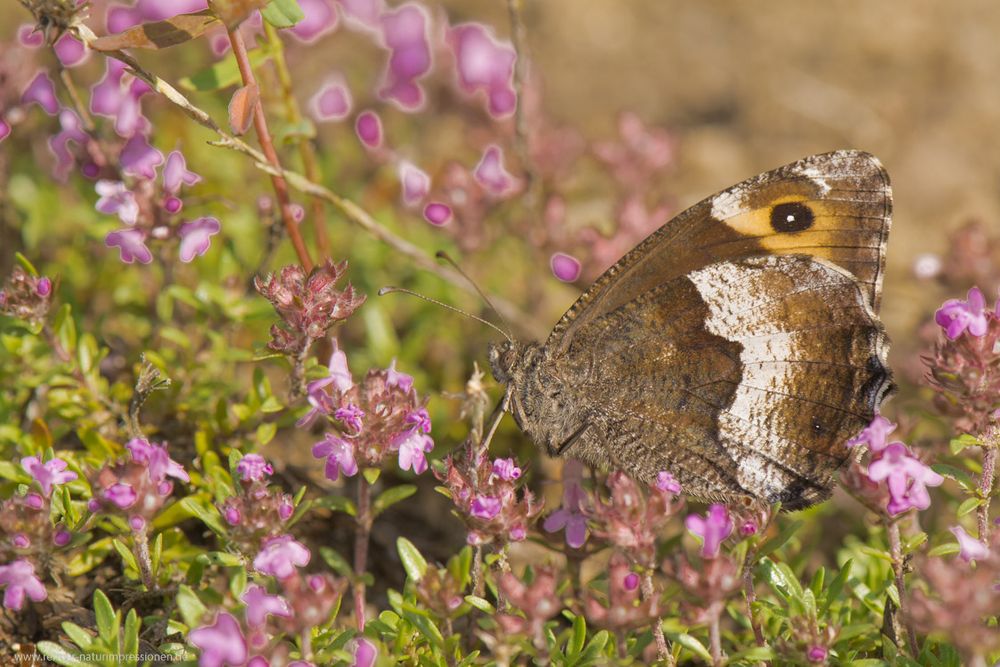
pixel 65 328
pixel 107 620
pixel 222 74
pixel 131 643
pixel 413 561
pixel 337 504
pixel 210 517
pixel 961 442
pixel 59 655
pixel 970 504
pixel 336 562
pixel 944 549
pixel 80 637
pixel 755 654
pixel 283 13
pixel 482 604
pixel 26 264
pixel 693 645
pixel 265 432
pixel 190 605
pixel 957 474
pixel 914 542
pixel 127 556
pixel 391 496
pixel 595 646
pixel 778 540
pixel 577 637
pixel 371 474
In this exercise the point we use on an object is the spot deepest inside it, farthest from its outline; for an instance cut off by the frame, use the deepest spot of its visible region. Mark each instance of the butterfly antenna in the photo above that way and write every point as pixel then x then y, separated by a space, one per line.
pixel 390 290
pixel 442 255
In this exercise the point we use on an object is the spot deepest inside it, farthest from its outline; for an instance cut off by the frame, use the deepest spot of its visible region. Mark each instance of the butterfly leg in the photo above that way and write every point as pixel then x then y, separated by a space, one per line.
pixel 577 434
pixel 498 412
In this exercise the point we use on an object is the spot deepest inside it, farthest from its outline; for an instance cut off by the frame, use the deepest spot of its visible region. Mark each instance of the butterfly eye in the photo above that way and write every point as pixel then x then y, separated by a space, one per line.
pixel 793 216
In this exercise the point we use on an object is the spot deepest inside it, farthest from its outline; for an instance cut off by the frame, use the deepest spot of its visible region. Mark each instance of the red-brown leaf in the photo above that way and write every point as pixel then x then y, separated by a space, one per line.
pixel 158 34
pixel 241 108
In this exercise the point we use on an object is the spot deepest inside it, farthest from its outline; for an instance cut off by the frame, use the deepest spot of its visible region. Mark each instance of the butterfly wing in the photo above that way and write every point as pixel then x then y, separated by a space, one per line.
pixel 835 206
pixel 738 346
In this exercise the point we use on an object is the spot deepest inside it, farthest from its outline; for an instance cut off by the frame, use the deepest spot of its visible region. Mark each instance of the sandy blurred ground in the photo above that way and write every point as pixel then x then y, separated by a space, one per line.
pixel 749 86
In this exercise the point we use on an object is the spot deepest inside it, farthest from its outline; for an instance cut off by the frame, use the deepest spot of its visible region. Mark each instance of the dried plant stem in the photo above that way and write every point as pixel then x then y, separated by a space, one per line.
pixel 351 211
pixel 362 534
pixel 896 553
pixel 648 593
pixel 74 95
pixel 991 445
pixel 264 136
pixel 310 163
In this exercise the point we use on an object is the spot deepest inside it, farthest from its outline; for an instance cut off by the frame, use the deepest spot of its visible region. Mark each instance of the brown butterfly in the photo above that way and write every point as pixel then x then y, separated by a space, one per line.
pixel 738 347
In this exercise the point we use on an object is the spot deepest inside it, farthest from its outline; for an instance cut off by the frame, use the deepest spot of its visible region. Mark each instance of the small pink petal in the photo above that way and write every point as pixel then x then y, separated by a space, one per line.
pixel 362 14
pixel 196 237
pixel 368 127
pixel 29 37
pixel 332 102
pixel 131 244
pixel 485 63
pixel 4 129
pixel 70 51
pixel 565 267
pixel 320 19
pixel 491 173
pixel 437 213
pixel 416 183
pixel 42 91
pixel 404 32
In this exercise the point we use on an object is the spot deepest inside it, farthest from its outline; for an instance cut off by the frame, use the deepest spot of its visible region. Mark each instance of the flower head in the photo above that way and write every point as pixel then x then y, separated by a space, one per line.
pixel 196 237
pixel 339 454
pixel 279 556
pixel 48 474
pixel 713 528
pixel 570 516
pixel 486 64
pixel 254 468
pixel 905 476
pixel 116 198
pixel 875 435
pixel 260 605
pixel 222 644
pixel 956 316
pixel 19 579
pixel 969 547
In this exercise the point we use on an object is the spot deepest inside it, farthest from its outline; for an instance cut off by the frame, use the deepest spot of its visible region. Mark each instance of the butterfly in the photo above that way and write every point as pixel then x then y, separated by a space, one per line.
pixel 738 347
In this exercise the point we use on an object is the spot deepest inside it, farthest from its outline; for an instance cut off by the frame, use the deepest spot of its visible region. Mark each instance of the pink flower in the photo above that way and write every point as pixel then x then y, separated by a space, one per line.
pixel 412 446
pixel 320 19
pixel 631 581
pixel 339 375
pixel 713 529
pixel 420 419
pixel 969 547
pixel 368 127
pixel 131 244
pixel 154 456
pixel 565 267
pixel 4 129
pixel 117 199
pixel 506 469
pixel 339 455
pixel 280 556
pixel 362 14
pixel 491 174
pixel 70 51
pixel 396 378
pixel 817 654
pixel 254 468
pixel 42 91
pixel 667 482
pixel 404 32
pixel 485 507
pixel 416 183
pixel 332 102
pixel 121 494
pixel 111 98
pixel 260 605
pixel 437 213
pixel 906 478
pixel 61 537
pixel 365 653
pixel 71 130
pixel 875 435
pixel 44 286
pixel 351 416
pixel 175 173
pixel 222 644
pixel 570 516
pixel 196 237
pixel 19 579
pixel 47 474
pixel 140 159
pixel 485 63
pixel 956 316
pixel 29 36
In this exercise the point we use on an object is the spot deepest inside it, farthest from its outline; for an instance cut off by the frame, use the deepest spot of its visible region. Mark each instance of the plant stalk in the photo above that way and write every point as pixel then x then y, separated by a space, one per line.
pixel 362 534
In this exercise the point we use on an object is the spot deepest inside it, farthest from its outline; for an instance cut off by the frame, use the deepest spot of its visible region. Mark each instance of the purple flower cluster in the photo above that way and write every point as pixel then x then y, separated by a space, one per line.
pixel 26 297
pixel 380 417
pixel 487 499
pixel 137 488
pixel 631 519
pixel 258 511
pixel 906 478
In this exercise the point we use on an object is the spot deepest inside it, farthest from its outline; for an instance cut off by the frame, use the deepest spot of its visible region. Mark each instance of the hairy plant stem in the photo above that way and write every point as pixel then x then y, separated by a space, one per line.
pixel 991 445
pixel 715 638
pixel 310 164
pixel 350 210
pixel 141 541
pixel 362 534
pixel 896 553
pixel 264 136
pixel 648 593
pixel 299 371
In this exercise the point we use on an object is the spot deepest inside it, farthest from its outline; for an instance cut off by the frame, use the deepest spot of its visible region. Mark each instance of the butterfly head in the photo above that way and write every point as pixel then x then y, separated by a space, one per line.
pixel 503 360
